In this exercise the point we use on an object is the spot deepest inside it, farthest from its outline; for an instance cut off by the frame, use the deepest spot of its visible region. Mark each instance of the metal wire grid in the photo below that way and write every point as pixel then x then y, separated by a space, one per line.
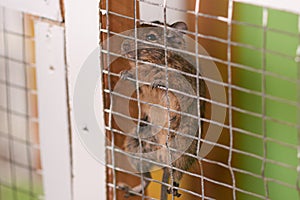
pixel 20 169
pixel 232 108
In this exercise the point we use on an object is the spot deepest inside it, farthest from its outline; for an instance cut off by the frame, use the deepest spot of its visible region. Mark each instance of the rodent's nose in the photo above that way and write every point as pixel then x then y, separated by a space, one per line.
pixel 144 121
pixel 126 46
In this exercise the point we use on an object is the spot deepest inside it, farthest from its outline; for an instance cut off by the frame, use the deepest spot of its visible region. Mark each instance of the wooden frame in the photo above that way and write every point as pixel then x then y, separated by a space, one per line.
pixel 82 38
pixel 53 111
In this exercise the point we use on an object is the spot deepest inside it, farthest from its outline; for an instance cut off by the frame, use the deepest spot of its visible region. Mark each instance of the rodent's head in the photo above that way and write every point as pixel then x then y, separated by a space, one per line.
pixel 149 34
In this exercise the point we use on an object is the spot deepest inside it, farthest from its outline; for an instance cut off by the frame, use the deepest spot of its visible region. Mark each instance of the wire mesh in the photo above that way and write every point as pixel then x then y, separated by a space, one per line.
pixel 256 50
pixel 20 168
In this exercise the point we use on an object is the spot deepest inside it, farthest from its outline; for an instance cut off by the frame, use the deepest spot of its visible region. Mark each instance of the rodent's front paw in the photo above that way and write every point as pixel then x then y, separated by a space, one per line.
pixel 126 188
pixel 159 83
pixel 125 75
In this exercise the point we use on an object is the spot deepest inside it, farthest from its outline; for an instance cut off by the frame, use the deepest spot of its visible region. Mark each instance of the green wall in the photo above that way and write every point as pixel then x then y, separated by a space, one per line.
pixel 279 79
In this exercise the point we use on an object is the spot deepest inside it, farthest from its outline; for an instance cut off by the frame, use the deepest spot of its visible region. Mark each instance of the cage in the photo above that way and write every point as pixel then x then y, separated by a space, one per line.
pixel 249 43
pixel 81 81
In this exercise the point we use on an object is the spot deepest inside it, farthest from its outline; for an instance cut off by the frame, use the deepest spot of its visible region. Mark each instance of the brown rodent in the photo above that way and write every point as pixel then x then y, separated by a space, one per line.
pixel 156 137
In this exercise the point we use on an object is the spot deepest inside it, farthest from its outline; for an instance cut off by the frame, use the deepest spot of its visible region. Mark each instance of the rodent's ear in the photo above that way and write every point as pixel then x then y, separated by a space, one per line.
pixel 180 26
pixel 153 22
pixel 157 22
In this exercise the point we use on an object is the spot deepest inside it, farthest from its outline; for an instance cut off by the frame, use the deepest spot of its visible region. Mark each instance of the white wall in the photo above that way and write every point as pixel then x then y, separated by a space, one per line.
pixel 45 8
pixel 147 10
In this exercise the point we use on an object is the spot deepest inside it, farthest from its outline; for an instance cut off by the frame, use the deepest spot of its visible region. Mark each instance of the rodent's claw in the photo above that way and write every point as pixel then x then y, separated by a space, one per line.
pixel 174 192
pixel 158 83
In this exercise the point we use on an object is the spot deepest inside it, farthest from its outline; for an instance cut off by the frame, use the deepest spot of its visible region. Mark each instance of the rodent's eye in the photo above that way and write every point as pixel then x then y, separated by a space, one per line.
pixel 151 37
pixel 173 118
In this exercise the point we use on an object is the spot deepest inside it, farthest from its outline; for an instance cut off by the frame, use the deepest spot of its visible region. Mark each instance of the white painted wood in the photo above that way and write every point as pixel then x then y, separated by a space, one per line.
pixel 53 111
pixel 44 8
pixel 287 5
pixel 82 38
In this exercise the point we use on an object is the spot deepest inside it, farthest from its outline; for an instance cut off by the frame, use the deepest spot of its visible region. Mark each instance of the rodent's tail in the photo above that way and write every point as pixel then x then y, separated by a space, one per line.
pixel 164 188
